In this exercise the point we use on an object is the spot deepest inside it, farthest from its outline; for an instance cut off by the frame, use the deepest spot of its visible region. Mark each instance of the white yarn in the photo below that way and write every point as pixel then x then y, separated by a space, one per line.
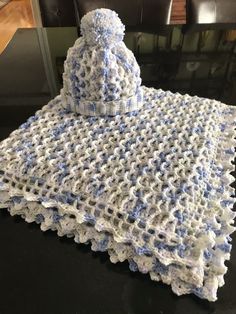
pixel 102 27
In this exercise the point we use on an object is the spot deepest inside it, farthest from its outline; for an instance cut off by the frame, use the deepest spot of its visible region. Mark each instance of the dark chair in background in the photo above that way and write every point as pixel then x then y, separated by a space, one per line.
pixel 210 14
pixel 205 15
pixel 142 16
pixel 149 15
pixel 57 13
pixel 203 18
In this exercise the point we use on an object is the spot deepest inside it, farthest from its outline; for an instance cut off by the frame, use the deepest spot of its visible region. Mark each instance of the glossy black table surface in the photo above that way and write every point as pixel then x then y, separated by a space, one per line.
pixel 43 274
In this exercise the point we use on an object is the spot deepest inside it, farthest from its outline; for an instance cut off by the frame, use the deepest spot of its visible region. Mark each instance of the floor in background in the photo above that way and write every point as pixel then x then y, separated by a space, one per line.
pixel 17 13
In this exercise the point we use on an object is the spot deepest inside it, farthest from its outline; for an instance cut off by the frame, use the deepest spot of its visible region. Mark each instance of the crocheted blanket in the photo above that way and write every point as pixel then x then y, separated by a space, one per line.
pixel 149 186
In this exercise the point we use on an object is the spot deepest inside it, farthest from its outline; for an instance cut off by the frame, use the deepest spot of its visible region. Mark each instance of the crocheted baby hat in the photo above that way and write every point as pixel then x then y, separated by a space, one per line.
pixel 101 74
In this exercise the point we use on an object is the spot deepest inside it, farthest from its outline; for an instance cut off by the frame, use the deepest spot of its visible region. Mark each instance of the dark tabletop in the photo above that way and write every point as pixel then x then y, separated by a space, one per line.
pixel 41 273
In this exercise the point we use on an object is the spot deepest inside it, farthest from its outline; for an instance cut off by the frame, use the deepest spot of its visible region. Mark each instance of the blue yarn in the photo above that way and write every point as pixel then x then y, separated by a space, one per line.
pixel 222 126
pixel 89 219
pixel 143 251
pixel 160 268
pixel 39 218
pixel 199 129
pixel 122 127
pixel 229 151
pixel 65 198
pixel 207 254
pixel 225 203
pixel 56 217
pixel 140 206
pixel 225 247
pixel 28 123
pixel 182 232
pixel 133 266
pixel 102 245
pixel 162 156
pixel 41 181
pixel 99 191
pixel 181 250
pixel 17 199
pixel 219 171
pixel 179 215
pixel 198 292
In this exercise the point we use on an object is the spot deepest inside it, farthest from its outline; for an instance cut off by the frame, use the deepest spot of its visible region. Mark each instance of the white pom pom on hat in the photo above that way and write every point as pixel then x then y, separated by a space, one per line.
pixel 102 27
